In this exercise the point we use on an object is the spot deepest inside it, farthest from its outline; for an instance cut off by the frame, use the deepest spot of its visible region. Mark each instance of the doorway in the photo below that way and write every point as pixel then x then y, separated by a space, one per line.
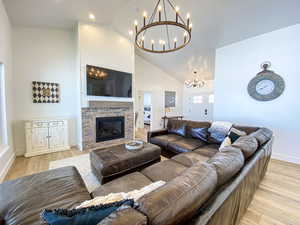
pixel 3 122
pixel 199 107
pixel 145 112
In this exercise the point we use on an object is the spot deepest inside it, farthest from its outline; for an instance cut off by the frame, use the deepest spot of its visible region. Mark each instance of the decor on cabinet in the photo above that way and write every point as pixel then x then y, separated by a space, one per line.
pixel 44 92
pixel 174 33
pixel 266 85
pixel 46 136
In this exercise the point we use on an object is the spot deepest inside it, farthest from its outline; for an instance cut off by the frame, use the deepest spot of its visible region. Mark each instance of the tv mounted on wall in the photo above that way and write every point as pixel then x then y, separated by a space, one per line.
pixel 108 83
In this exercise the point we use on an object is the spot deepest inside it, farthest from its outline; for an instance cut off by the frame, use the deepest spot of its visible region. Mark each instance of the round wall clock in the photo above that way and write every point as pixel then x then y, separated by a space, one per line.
pixel 266 85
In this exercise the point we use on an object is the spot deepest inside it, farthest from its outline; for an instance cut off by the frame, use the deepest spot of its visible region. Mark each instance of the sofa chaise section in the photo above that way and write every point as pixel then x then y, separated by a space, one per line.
pixel 22 200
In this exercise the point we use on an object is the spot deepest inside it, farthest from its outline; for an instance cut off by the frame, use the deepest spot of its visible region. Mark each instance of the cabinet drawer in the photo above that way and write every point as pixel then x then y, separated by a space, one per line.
pixel 56 123
pixel 40 124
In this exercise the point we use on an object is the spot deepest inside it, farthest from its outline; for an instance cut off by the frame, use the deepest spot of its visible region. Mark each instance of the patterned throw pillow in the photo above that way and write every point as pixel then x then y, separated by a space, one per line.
pixel 84 216
pixel 218 131
pixel 235 134
pixel 200 133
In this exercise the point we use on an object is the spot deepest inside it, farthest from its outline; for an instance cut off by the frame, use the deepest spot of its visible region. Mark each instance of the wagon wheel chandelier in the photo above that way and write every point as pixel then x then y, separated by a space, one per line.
pixel 159 21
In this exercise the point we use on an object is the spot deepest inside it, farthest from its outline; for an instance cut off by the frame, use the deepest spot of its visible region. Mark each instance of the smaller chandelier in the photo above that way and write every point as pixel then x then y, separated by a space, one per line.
pixel 160 23
pixel 196 82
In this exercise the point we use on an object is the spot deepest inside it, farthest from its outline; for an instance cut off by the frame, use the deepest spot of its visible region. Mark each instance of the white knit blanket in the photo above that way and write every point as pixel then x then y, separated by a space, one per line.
pixel 115 197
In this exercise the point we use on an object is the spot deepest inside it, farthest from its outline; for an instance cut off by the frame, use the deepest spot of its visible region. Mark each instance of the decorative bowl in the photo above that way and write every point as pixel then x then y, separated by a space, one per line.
pixel 134 145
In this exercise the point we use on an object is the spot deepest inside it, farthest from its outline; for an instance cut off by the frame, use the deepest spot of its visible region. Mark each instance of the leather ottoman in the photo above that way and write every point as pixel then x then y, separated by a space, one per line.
pixel 110 163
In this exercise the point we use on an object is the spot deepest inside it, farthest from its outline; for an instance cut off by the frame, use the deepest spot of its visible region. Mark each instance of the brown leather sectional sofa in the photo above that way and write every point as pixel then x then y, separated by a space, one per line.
pixel 205 185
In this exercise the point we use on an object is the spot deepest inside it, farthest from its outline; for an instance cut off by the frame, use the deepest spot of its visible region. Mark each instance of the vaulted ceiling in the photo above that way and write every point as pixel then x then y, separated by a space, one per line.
pixel 215 23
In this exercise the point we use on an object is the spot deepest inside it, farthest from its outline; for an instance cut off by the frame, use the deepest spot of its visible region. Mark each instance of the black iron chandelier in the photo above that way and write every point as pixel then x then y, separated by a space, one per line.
pixel 159 22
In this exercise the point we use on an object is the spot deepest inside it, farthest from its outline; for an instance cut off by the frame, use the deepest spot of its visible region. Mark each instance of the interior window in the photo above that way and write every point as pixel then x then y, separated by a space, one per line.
pixel 198 99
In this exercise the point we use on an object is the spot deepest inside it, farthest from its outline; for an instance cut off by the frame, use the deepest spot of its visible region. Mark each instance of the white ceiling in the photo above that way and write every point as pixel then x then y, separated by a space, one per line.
pixel 215 23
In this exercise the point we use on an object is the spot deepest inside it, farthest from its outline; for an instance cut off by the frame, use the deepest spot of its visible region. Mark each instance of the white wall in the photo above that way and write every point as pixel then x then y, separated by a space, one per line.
pixel 43 55
pixel 102 46
pixel 6 152
pixel 152 79
pixel 238 63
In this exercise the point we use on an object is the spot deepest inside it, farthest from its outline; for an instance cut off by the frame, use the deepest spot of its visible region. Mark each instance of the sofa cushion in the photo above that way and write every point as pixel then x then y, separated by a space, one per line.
pixel 164 140
pixel 262 135
pixel 246 129
pixel 180 199
pixel 208 150
pixel 189 159
pixel 165 170
pixel 185 145
pixel 125 216
pixel 228 162
pixel 247 144
pixel 126 184
pixel 23 200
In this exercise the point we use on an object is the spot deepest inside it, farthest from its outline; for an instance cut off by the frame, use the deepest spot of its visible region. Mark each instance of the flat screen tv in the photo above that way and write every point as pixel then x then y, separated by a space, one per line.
pixel 108 83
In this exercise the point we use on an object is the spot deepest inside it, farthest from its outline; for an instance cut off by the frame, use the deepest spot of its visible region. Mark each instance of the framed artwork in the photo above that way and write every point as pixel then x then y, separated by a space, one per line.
pixel 170 99
pixel 44 92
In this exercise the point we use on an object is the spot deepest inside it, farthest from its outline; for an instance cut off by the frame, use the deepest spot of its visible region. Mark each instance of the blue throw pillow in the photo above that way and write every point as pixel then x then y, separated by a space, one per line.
pixel 84 216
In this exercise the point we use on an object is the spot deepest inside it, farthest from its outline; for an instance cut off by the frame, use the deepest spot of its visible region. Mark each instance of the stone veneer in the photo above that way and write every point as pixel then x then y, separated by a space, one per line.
pixel 105 109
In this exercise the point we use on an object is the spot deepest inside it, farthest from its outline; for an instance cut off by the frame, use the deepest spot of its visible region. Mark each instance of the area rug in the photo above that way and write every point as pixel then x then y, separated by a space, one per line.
pixel 82 163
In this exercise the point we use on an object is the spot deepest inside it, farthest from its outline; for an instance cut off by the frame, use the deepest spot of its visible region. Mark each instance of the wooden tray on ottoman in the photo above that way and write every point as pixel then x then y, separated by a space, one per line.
pixel 110 163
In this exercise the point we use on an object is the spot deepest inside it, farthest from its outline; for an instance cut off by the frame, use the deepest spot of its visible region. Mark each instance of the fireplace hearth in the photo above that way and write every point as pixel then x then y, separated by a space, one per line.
pixel 109 128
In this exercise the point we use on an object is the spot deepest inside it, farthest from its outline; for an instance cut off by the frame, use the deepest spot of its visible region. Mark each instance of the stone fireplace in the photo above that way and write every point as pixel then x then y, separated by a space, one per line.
pixel 107 123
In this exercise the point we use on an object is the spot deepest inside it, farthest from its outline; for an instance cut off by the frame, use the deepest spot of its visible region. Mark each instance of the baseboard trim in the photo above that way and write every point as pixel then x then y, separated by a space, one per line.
pixel 286 158
pixel 7 166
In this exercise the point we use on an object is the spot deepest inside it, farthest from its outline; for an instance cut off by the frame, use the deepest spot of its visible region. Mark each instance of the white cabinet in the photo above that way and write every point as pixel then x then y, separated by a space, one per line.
pixel 46 136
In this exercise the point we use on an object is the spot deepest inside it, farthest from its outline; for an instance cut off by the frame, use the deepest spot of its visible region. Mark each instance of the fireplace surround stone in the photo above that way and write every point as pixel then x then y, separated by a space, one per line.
pixel 98 109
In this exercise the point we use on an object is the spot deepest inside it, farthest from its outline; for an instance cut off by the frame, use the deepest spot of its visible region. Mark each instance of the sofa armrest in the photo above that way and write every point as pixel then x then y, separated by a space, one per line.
pixel 125 216
pixel 156 133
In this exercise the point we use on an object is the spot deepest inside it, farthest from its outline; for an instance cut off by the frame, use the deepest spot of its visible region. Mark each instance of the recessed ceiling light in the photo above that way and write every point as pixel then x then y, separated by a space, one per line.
pixel 92 16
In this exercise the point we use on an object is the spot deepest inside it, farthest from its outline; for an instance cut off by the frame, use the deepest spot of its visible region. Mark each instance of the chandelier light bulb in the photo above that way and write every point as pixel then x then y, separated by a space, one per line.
pixel 136 23
pixel 143 38
pixel 177 9
pixel 160 42
pixel 159 8
pixel 191 26
pixel 92 16
pixel 145 14
pixel 188 16
pixel 152 41
pixel 175 39
pixel 130 32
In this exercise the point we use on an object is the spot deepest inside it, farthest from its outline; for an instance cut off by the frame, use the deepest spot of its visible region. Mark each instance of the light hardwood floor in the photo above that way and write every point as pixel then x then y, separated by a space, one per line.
pixel 276 202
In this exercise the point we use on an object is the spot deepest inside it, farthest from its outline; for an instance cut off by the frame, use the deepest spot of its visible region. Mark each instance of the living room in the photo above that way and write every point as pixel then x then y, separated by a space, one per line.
pixel 206 92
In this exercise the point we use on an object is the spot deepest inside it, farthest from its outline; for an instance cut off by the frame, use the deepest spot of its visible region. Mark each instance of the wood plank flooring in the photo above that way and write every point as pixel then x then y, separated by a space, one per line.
pixel 276 202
